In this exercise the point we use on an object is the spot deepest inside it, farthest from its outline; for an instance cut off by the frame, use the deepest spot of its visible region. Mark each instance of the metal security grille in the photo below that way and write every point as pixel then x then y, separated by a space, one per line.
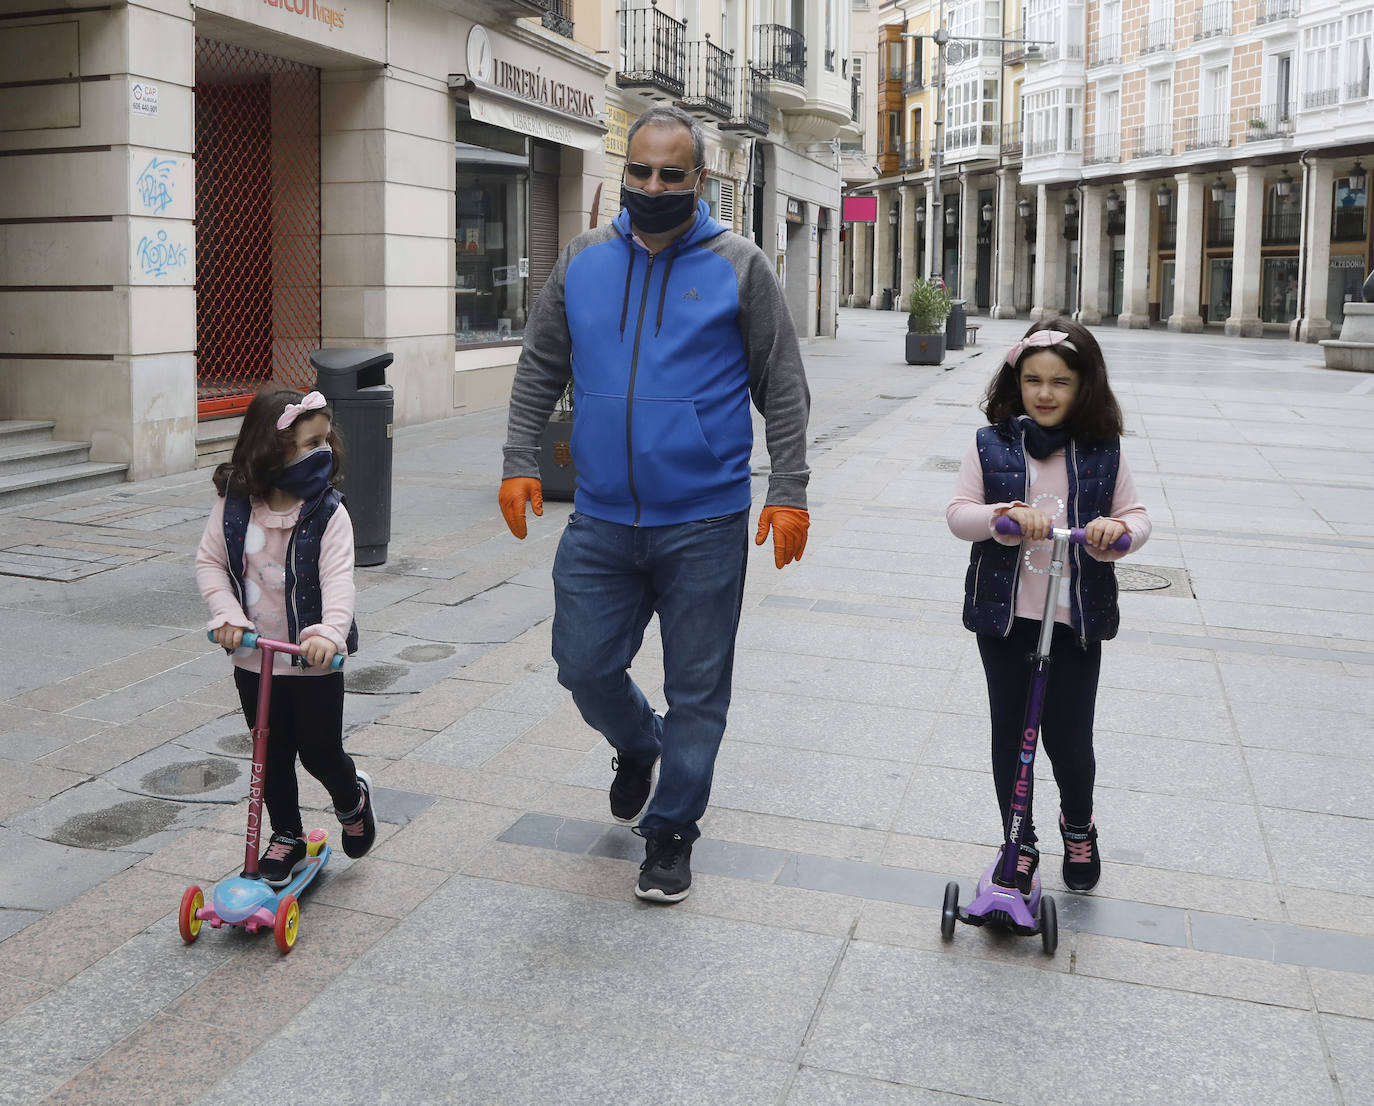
pixel 543 241
pixel 257 224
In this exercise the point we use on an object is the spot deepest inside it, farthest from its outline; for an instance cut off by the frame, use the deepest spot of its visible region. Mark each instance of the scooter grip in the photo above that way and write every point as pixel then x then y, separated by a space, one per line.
pixel 249 640
pixel 1008 526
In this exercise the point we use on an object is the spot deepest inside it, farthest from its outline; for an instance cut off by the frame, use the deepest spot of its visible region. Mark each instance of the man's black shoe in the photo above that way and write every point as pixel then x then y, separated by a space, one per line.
pixel 630 788
pixel 666 874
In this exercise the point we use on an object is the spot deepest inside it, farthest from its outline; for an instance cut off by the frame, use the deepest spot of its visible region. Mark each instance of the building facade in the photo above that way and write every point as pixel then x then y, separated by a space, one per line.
pixel 195 195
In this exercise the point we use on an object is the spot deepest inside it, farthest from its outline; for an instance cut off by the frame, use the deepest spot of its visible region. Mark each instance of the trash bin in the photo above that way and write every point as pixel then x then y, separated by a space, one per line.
pixel 887 299
pixel 954 325
pixel 354 383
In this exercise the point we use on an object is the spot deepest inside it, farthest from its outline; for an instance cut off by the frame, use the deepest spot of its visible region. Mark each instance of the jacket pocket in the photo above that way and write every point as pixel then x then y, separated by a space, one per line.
pixel 673 460
pixel 598 446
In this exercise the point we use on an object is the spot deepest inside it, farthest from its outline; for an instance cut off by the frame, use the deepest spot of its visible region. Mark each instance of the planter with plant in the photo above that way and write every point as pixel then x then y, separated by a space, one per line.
pixel 557 473
pixel 928 306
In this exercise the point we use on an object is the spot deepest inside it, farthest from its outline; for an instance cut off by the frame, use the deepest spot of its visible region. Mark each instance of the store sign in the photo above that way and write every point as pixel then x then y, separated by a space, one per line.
pixel 489 61
pixel 535 123
pixel 310 9
pixel 794 210
pixel 143 98
pixel 617 130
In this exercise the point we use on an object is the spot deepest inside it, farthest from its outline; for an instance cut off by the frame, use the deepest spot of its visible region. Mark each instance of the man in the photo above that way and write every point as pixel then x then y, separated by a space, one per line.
pixel 668 323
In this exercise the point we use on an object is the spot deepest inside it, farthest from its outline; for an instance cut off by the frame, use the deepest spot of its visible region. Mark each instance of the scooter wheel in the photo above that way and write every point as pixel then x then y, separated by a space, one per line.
pixel 288 923
pixel 187 921
pixel 950 914
pixel 1049 925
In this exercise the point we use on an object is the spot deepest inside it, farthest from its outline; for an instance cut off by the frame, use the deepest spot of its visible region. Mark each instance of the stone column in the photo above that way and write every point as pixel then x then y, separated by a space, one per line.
pixel 1048 298
pixel 1245 268
pixel 1187 318
pixel 863 267
pixel 1135 300
pixel 907 226
pixel 1313 325
pixel 882 253
pixel 856 254
pixel 969 217
pixel 1004 261
pixel 1092 242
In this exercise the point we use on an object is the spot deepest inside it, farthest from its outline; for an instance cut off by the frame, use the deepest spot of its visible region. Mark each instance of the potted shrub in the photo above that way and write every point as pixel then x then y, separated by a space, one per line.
pixel 557 473
pixel 928 306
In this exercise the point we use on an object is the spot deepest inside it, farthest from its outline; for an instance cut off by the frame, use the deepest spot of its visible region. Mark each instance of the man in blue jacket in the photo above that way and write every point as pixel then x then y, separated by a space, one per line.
pixel 668 324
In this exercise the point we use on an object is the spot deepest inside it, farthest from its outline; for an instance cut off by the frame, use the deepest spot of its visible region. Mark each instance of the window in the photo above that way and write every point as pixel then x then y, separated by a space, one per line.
pixel 1042 122
pixel 1359 49
pixel 1214 119
pixel 1279 289
pixel 1042 20
pixel 1321 65
pixel 1349 214
pixel 1071 139
pixel 970 106
pixel 1109 111
pixel 1283 83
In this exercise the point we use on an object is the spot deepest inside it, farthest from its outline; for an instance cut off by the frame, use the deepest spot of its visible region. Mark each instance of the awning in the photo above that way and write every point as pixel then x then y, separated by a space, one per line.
pixel 490 104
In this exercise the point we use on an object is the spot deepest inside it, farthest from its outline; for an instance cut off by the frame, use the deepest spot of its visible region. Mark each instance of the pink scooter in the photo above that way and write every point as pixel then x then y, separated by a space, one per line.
pixel 245 900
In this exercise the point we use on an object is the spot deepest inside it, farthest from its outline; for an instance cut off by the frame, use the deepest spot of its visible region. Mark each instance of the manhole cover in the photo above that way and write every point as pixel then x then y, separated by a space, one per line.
pixel 116 826
pixel 941 464
pixel 1135 578
pixel 373 678
pixel 191 777
pixel 422 654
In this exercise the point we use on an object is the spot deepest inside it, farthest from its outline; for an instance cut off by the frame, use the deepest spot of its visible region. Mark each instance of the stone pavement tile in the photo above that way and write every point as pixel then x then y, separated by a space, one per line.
pixel 895 925
pixel 496 614
pixel 1275 620
pixel 1186 969
pixel 35 781
pixel 16 993
pixel 1282 944
pixel 461 783
pixel 537 692
pixel 40 875
pixel 771 831
pixel 571 873
pixel 1330 910
pixel 959 805
pixel 540 762
pixel 1256 899
pixel 564 728
pixel 1318 850
pixel 67 940
pixel 1149 1045
pixel 1351 1043
pixel 135 667
pixel 506 662
pixel 58 697
pixel 815 1087
pixel 588 804
pixel 12 920
pixel 886 684
pixel 1166 765
pixel 479 1053
pixel 474 738
pixel 167 1060
pixel 372 885
pixel 139 698
pixel 118 745
pixel 1339 992
pixel 1300 728
pixel 446 835
pixel 380 739
pixel 952 859
pixel 395 618
pixel 830 726
pixel 851 582
pixel 1319 784
pixel 1180 834
pixel 200 856
pixel 1152 673
pixel 66 727
pixel 578 962
pixel 221 694
pixel 1180 716
pixel 439 706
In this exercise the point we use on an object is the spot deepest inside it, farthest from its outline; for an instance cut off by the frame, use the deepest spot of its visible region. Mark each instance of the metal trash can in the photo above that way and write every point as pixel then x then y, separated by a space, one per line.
pixel 886 300
pixel 954 325
pixel 354 383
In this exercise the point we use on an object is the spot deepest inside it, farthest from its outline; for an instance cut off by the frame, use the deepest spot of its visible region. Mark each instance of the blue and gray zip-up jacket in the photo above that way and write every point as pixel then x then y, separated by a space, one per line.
pixel 665 351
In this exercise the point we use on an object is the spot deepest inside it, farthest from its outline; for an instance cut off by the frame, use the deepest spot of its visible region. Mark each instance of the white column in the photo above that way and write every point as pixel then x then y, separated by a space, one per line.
pixel 882 253
pixel 1314 325
pixel 1187 317
pixel 1004 260
pixel 1092 240
pixel 969 216
pixel 1135 300
pixel 908 230
pixel 1245 268
pixel 863 269
pixel 1049 255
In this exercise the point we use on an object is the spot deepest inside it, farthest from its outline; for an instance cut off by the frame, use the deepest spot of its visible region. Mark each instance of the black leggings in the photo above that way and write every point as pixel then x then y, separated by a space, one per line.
pixel 306 718
pixel 1066 724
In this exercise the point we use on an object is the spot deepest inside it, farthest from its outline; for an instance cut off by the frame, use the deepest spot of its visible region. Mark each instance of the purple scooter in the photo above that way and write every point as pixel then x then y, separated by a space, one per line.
pixel 997 901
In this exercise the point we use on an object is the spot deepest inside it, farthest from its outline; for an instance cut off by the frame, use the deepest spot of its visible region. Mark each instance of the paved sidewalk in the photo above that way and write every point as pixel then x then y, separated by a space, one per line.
pixel 489 950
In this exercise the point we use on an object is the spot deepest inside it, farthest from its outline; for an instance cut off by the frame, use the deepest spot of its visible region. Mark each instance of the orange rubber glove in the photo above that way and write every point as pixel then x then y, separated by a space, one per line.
pixel 515 492
pixel 789 532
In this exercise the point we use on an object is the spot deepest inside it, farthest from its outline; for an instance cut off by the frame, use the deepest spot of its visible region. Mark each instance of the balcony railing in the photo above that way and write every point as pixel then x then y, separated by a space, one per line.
pixel 1270 11
pixel 913 78
pixel 654 51
pixel 1040 147
pixel 1221 231
pixel 1168 235
pixel 1321 98
pixel 1268 121
pixel 1159 35
pixel 1098 149
pixel 1156 140
pixel 1282 228
pixel 1214 19
pixel 1105 51
pixel 1349 223
pixel 1071 51
pixel 911 160
pixel 1013 139
pixel 964 138
pixel 1357 90
pixel 1205 132
pixel 780 53
pixel 749 107
pixel 558 16
pixel 710 79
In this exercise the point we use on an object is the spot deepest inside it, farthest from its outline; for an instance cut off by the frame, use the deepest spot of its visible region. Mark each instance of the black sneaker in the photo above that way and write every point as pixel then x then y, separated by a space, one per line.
pixel 1026 863
pixel 630 788
pixel 360 824
pixel 1082 860
pixel 666 874
pixel 284 856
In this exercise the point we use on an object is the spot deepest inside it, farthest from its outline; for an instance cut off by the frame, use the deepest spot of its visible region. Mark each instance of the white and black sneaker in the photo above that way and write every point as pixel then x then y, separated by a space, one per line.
pixel 359 825
pixel 284 856
pixel 666 874
pixel 631 788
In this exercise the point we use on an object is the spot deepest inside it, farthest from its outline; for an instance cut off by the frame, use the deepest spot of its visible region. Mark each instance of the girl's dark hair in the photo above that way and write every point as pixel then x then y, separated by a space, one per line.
pixel 261 450
pixel 1096 415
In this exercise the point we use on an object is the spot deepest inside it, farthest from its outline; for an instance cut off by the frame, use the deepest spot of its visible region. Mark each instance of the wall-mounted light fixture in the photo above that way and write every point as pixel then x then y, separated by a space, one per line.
pixel 951 214
pixel 1218 190
pixel 920 213
pixel 892 216
pixel 1163 197
pixel 1023 208
pixel 987 212
pixel 1284 185
pixel 1357 177
pixel 1113 202
pixel 1070 206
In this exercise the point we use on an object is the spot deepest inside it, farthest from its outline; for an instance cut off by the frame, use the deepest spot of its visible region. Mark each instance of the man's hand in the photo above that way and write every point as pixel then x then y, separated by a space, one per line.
pixel 514 494
pixel 789 532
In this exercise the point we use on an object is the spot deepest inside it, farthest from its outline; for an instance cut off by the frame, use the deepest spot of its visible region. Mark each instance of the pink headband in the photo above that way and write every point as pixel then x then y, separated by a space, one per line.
pixel 1044 338
pixel 312 402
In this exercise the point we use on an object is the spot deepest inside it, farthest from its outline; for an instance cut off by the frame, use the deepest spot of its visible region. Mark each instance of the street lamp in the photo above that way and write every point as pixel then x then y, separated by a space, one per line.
pixel 1113 202
pixel 987 212
pixel 1218 190
pixel 892 216
pixel 1023 208
pixel 1163 197
pixel 1357 177
pixel 1070 206
pixel 1284 185
pixel 951 215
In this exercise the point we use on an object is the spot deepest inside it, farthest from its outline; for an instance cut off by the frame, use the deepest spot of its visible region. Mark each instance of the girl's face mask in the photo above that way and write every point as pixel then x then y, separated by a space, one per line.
pixel 308 475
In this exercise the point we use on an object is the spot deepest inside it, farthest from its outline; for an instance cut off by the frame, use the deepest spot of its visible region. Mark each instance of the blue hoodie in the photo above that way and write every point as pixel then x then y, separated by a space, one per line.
pixel 663 374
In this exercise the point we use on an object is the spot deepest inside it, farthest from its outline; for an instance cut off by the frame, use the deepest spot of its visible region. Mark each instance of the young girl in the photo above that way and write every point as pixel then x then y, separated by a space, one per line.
pixel 277 558
pixel 1051 457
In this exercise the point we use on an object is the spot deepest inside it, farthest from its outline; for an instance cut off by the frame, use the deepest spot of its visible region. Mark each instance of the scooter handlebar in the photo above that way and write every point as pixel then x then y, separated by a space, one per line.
pixel 1007 525
pixel 250 641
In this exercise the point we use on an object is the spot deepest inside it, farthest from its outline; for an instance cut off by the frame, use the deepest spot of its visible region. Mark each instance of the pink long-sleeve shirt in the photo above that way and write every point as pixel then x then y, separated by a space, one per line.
pixel 264 581
pixel 970 517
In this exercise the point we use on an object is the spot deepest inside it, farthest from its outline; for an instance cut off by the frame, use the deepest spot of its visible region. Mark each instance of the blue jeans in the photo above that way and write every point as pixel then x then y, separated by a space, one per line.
pixel 608 580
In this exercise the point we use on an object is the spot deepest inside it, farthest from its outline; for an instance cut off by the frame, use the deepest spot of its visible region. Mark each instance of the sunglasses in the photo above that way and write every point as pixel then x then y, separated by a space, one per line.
pixel 667 174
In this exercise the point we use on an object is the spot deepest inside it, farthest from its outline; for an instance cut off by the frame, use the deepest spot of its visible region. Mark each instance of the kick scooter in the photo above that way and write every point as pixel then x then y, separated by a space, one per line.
pixel 246 900
pixel 997 902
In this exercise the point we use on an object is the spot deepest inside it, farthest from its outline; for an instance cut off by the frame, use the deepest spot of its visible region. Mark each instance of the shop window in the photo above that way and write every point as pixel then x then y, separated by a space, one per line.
pixel 1279 289
pixel 1344 277
pixel 1350 213
pixel 491 260
pixel 1219 298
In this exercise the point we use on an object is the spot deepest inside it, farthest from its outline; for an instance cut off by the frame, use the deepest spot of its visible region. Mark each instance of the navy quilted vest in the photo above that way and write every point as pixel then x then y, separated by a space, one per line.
pixel 990 585
pixel 304 600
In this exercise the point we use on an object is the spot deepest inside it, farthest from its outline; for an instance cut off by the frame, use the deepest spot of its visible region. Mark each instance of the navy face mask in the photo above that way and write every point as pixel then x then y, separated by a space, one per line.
pixel 655 213
pixel 308 474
